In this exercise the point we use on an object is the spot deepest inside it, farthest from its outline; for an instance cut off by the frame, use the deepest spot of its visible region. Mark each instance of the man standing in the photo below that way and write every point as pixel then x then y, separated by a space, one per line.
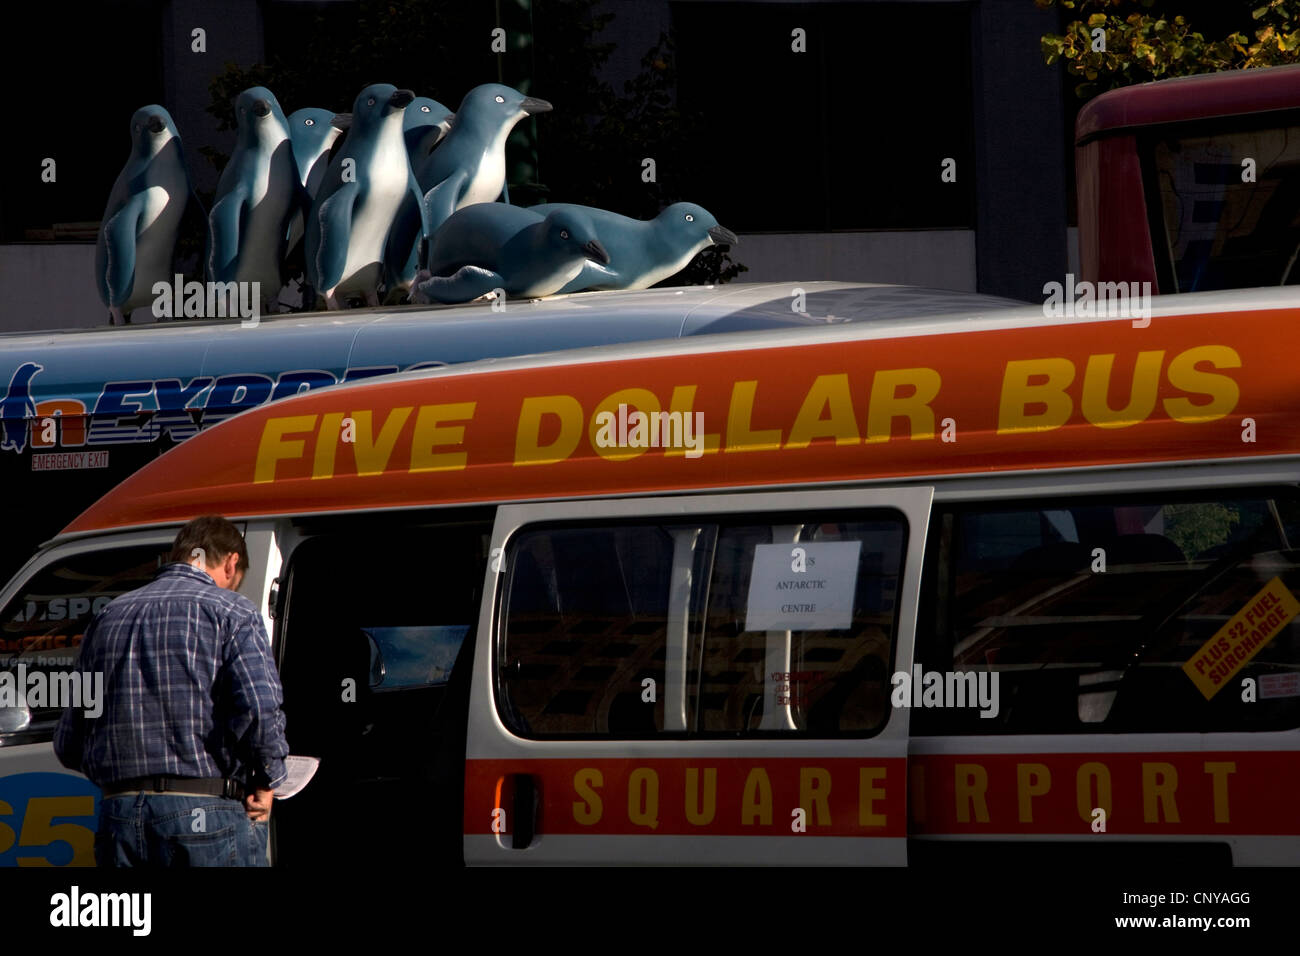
pixel 190 745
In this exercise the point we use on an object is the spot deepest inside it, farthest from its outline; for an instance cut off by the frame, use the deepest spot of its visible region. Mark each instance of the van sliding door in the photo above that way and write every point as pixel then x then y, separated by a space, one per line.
pixel 695 680
pixel 1144 651
pixel 375 644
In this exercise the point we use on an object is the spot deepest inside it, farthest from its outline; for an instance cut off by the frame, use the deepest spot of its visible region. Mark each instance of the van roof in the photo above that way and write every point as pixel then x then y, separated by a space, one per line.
pixel 1184 98
pixel 1002 390
pixel 355 343
pixel 695 306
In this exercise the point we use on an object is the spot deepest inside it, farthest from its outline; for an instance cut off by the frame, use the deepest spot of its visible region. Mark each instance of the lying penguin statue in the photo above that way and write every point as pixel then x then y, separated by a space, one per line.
pixel 642 253
pixel 490 245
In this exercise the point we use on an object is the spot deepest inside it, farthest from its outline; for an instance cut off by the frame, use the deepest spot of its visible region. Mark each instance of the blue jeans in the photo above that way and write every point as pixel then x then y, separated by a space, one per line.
pixel 157 829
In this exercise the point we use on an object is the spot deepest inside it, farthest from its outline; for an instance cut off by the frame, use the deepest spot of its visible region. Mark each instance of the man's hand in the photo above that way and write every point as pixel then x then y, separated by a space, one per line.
pixel 258 804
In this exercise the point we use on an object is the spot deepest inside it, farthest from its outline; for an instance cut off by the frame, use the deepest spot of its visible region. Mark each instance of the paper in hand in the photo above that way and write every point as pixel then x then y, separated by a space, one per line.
pixel 301 770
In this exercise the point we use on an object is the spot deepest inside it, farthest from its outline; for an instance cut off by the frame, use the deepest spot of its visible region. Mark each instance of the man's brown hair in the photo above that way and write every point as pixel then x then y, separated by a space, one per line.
pixel 215 536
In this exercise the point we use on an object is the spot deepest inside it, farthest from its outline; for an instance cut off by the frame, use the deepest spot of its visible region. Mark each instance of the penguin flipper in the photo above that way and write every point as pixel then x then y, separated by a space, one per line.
pixel 225 227
pixel 335 215
pixel 404 238
pixel 440 201
pixel 593 276
pixel 119 251
pixel 467 284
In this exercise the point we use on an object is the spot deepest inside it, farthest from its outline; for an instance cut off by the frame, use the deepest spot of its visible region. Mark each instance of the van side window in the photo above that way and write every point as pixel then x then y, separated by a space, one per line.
pixel 809 667
pixel 1107 610
pixel 585 624
pixel 782 627
pixel 42 627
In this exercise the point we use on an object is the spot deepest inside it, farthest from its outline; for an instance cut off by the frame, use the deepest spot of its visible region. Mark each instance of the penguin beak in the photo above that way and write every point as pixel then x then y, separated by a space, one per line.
pixel 261 107
pixel 533 106
pixel 155 124
pixel 342 121
pixel 401 99
pixel 723 236
pixel 595 250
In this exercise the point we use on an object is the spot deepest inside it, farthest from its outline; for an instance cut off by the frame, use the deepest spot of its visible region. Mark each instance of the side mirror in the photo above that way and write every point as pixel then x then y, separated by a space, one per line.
pixel 15 718
pixel 378 671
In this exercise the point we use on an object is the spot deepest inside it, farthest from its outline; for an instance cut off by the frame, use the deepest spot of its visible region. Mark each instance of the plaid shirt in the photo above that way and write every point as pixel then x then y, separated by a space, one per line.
pixel 189 687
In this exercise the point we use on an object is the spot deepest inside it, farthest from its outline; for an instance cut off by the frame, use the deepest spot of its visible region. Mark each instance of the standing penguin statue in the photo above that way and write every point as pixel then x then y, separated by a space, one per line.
pixel 351 221
pixel 257 196
pixel 492 245
pixel 642 253
pixel 469 165
pixel 424 125
pixel 137 235
pixel 313 134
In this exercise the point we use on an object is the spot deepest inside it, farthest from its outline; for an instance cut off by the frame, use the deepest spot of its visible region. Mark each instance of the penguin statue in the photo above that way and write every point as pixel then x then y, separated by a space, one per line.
pixel 424 126
pixel 469 166
pixel 642 253
pixel 314 133
pixel 137 235
pixel 351 222
pixel 492 245
pixel 258 195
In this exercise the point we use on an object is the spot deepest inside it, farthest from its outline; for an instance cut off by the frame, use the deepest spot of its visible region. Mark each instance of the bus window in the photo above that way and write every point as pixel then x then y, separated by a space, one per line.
pixel 818 676
pixel 1228 223
pixel 42 627
pixel 585 625
pixel 786 627
pixel 1096 634
pixel 407 657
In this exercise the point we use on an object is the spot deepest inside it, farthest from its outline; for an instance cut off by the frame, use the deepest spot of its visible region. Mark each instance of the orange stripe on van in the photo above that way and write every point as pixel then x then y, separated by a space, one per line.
pixel 1209 793
pixel 1200 792
pixel 714 796
pixel 1193 387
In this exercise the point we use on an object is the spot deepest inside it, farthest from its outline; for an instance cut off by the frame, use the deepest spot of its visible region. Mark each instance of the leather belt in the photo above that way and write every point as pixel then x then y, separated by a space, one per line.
pixel 165 783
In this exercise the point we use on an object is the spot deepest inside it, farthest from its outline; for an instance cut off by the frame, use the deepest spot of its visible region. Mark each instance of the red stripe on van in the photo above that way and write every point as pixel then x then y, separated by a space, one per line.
pixel 719 796
pixel 1193 387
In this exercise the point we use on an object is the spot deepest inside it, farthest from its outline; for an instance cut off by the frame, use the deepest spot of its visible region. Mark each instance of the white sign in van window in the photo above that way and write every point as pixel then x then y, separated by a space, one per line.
pixel 803 587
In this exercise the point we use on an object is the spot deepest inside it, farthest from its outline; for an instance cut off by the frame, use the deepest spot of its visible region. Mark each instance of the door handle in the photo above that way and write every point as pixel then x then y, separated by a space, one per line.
pixel 524 790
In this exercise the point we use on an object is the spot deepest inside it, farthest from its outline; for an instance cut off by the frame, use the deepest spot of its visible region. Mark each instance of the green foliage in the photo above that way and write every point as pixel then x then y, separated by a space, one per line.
pixel 713 265
pixel 1197 527
pixel 587 151
pixel 1143 42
